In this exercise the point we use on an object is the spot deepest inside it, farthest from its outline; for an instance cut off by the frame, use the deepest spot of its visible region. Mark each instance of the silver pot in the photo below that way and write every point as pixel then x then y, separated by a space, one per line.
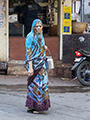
pixel 49 62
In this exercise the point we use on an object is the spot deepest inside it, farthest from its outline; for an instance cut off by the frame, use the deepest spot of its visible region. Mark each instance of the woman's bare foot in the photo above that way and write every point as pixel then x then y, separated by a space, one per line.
pixel 36 112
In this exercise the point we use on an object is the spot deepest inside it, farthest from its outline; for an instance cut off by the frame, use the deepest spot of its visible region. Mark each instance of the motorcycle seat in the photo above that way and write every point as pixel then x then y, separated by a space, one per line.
pixel 84 52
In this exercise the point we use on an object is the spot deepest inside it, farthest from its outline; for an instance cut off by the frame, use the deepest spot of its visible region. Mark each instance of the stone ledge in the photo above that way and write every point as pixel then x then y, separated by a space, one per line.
pixel 60 70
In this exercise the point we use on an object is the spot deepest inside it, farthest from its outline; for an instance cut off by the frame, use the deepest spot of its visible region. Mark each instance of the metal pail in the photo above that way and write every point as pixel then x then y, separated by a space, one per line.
pixel 49 62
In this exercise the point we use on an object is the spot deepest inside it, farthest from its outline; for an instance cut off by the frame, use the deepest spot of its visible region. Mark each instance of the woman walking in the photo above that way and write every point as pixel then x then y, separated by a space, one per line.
pixel 37 89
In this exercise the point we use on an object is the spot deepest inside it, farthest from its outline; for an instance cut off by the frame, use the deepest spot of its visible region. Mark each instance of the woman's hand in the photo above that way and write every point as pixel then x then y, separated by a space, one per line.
pixel 45 47
pixel 30 72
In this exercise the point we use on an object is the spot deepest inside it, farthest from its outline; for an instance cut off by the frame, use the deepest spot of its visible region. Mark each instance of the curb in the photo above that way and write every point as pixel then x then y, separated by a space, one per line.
pixel 60 70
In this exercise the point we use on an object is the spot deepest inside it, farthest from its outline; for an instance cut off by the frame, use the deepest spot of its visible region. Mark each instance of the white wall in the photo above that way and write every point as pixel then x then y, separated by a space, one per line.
pixel 68 2
pixel 60 16
pixel 4 43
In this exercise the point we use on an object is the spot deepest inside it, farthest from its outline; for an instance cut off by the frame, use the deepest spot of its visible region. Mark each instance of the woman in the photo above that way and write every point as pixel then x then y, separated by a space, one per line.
pixel 37 90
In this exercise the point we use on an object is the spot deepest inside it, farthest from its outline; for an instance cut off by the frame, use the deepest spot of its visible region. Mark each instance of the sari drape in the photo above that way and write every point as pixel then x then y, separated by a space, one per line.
pixel 37 89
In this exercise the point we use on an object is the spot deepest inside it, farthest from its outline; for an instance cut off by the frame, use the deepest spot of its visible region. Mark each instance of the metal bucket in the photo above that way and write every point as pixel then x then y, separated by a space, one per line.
pixel 49 62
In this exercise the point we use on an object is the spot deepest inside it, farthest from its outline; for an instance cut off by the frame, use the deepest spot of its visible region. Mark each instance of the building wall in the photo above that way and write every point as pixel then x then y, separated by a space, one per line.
pixel 17 47
pixel 74 42
pixel 4 52
pixel 86 11
pixel 68 2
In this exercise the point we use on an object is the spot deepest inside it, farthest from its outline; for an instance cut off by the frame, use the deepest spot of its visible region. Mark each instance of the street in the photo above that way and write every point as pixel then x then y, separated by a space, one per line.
pixel 64 106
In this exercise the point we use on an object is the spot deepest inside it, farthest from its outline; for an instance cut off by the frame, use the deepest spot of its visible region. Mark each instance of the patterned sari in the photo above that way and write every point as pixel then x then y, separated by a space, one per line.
pixel 37 89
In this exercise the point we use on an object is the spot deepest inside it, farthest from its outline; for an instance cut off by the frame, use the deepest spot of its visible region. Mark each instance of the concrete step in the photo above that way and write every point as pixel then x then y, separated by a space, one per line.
pixel 61 69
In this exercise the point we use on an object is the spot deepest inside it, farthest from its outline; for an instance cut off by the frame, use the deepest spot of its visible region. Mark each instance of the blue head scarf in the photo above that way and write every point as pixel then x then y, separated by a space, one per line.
pixel 34 23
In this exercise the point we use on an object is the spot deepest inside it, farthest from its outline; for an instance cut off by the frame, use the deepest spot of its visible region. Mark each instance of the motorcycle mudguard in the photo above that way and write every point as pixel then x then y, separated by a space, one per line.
pixel 77 64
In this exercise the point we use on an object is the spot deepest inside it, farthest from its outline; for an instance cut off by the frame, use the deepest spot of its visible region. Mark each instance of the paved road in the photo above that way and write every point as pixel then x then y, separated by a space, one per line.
pixel 65 105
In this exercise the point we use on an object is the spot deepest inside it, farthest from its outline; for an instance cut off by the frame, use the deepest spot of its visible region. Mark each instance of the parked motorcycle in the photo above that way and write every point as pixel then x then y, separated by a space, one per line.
pixel 81 68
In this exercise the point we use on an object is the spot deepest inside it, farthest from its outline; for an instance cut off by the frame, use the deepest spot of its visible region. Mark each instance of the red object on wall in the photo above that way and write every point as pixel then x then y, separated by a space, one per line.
pixel 17 48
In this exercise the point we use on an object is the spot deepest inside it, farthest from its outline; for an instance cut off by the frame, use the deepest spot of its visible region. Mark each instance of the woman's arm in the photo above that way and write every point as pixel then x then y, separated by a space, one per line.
pixel 30 71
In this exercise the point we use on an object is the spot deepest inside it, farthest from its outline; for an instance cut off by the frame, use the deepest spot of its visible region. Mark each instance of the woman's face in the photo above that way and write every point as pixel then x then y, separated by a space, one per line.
pixel 39 27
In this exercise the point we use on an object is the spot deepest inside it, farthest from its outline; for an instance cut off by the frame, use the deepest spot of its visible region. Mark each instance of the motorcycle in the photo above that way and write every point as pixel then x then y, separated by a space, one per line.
pixel 81 68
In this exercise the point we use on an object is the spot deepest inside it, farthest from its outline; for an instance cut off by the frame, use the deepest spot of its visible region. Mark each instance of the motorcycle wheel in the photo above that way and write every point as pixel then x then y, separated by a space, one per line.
pixel 81 73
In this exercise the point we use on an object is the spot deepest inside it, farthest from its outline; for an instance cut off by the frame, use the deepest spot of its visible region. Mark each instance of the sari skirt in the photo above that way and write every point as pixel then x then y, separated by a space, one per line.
pixel 37 91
